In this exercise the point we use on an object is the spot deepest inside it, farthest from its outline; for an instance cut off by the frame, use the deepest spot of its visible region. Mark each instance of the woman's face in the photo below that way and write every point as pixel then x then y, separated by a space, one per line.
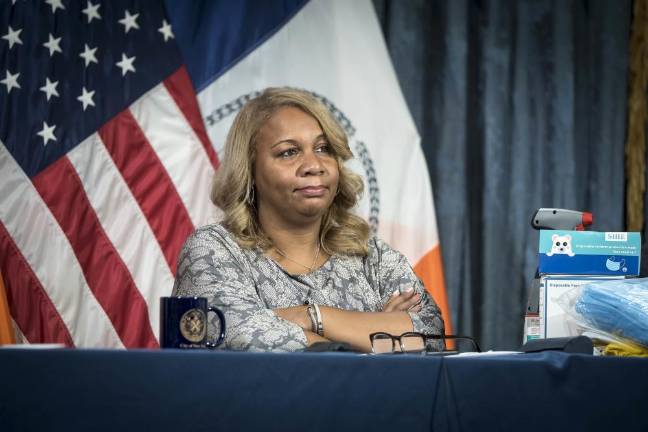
pixel 295 172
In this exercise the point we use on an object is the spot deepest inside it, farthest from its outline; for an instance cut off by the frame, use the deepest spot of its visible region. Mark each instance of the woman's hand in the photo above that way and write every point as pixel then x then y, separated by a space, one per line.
pixel 408 301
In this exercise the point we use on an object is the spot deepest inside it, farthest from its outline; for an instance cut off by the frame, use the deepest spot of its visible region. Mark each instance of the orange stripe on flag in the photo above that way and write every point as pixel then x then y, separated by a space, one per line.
pixel 430 270
pixel 6 329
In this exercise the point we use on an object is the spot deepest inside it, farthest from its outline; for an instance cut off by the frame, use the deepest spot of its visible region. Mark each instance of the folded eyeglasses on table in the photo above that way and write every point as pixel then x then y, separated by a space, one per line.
pixel 419 343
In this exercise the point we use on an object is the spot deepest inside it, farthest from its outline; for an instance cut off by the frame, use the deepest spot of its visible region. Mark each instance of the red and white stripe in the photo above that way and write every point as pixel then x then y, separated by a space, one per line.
pixel 93 239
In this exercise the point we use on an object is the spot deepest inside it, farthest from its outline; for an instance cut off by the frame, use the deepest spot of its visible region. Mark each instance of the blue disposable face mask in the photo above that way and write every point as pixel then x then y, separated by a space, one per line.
pixel 618 307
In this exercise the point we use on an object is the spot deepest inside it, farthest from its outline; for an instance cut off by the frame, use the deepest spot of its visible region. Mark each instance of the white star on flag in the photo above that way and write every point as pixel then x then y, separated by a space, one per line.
pixel 126 64
pixel 13 37
pixel 47 133
pixel 166 31
pixel 11 81
pixel 89 55
pixel 53 45
pixel 86 98
pixel 50 88
pixel 129 21
pixel 92 11
pixel 56 4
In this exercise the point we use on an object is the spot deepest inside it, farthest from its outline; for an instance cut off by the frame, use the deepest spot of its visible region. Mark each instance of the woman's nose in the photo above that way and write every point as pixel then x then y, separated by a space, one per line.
pixel 311 164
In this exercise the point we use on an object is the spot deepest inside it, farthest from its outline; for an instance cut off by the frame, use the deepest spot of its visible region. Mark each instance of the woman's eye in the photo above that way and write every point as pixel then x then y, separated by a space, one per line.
pixel 288 153
pixel 324 148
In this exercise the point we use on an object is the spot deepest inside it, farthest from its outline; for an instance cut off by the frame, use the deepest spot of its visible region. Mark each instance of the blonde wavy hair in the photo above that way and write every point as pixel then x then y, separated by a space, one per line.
pixel 341 231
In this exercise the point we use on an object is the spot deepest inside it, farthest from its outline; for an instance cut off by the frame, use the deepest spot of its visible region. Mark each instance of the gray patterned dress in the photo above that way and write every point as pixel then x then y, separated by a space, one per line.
pixel 246 285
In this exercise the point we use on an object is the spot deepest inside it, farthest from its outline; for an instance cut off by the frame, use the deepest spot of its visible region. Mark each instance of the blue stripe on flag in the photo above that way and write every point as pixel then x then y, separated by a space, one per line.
pixel 214 35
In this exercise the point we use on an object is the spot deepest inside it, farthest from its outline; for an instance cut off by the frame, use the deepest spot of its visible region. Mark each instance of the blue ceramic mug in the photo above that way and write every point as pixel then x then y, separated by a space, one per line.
pixel 183 323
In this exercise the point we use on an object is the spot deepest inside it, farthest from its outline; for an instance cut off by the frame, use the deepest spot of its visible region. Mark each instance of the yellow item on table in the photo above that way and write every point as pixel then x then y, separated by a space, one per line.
pixel 625 349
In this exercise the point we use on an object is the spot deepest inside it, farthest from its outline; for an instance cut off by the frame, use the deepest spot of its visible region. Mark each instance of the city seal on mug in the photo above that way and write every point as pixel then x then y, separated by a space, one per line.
pixel 184 323
pixel 193 325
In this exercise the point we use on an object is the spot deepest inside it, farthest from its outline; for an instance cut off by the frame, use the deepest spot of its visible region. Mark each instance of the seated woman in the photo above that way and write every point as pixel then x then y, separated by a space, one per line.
pixel 290 264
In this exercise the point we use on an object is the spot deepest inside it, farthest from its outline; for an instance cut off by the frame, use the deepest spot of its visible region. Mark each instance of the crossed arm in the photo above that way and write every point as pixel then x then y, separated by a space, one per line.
pixel 354 327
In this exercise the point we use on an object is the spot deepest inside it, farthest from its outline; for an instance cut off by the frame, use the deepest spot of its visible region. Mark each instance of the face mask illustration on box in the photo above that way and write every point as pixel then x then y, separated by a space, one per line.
pixel 613 265
pixel 561 245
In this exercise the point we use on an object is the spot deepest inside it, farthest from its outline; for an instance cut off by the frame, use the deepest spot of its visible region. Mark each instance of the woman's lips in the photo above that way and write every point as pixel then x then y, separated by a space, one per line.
pixel 312 191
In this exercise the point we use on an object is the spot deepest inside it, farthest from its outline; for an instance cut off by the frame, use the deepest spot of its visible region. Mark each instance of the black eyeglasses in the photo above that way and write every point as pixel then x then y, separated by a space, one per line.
pixel 413 342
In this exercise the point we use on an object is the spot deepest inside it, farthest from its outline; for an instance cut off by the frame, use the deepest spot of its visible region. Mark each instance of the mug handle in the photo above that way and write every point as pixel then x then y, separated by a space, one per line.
pixel 221 337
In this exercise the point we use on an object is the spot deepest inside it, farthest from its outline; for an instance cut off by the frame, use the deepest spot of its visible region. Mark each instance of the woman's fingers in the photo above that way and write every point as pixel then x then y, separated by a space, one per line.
pixel 414 301
pixel 396 299
pixel 416 308
pixel 402 301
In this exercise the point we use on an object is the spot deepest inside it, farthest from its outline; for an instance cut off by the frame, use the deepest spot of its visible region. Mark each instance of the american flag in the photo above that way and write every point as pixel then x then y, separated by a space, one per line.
pixel 105 168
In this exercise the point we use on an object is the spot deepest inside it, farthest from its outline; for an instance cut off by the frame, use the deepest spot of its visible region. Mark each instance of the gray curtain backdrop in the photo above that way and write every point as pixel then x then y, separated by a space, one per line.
pixel 520 105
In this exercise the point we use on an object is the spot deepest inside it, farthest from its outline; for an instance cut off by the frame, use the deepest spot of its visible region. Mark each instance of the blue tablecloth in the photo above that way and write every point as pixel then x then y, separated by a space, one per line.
pixel 199 390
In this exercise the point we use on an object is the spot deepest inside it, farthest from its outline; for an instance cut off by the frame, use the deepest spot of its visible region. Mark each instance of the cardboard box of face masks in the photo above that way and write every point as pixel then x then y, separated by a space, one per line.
pixel 589 253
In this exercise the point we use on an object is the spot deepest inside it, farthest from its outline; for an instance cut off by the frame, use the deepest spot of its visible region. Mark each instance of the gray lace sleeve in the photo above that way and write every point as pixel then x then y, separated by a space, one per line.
pixel 393 272
pixel 213 266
